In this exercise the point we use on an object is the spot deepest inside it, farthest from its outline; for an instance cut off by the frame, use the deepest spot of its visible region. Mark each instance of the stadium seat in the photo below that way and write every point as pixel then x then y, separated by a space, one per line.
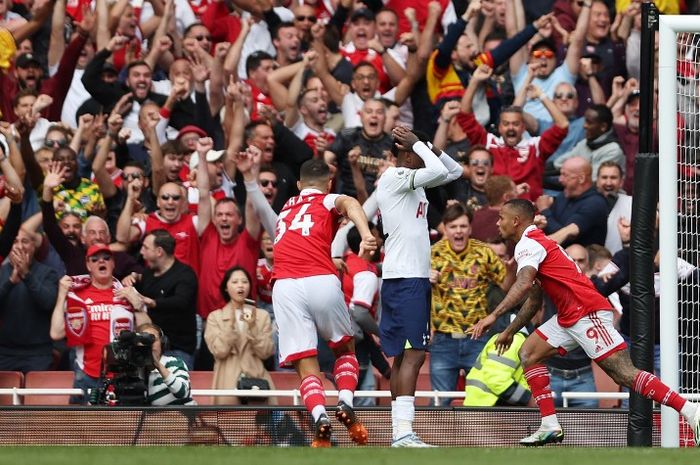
pixel 10 379
pixel 202 380
pixel 289 380
pixel 604 383
pixel 48 379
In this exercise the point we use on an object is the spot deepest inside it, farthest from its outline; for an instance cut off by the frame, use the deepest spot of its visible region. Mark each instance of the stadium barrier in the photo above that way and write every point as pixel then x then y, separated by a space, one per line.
pixel 292 426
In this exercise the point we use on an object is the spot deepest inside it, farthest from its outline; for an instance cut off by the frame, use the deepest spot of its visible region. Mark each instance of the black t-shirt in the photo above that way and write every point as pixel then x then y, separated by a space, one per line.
pixel 175 293
pixel 372 153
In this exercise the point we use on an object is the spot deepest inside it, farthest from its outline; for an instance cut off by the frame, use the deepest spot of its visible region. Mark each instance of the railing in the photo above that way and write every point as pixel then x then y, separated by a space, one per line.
pixel 296 396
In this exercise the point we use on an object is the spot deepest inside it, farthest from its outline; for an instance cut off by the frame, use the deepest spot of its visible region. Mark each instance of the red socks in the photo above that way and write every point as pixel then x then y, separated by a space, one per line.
pixel 651 387
pixel 346 372
pixel 312 392
pixel 537 377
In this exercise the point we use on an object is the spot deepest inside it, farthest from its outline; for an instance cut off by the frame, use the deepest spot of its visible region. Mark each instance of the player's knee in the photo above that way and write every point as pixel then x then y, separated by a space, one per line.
pixel 414 357
pixel 525 357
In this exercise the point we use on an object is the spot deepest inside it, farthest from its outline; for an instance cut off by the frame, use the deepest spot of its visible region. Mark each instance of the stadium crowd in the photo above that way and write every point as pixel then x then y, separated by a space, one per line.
pixel 139 138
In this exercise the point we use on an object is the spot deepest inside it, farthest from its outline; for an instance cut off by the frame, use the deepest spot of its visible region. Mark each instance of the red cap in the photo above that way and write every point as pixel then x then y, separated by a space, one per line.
pixel 97 248
pixel 191 128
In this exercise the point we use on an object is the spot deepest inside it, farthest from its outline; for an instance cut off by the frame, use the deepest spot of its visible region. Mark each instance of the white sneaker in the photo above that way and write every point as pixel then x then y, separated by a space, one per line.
pixel 542 437
pixel 410 440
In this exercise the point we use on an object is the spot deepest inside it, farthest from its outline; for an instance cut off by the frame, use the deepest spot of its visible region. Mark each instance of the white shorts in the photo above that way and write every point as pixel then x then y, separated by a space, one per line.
pixel 306 307
pixel 594 332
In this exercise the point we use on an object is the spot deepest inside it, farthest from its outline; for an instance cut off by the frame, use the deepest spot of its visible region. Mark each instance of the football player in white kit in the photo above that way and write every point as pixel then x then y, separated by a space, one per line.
pixel 405 293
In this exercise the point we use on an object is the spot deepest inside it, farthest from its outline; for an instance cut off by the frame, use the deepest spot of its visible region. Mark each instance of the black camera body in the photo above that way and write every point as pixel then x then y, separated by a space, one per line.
pixel 126 364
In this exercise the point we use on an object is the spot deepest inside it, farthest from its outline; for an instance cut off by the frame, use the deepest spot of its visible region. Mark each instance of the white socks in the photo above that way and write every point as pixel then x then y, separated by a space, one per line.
pixel 318 411
pixel 346 396
pixel 550 422
pixel 403 412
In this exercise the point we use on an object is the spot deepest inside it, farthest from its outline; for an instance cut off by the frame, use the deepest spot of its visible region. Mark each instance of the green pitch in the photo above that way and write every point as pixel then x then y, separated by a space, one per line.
pixel 351 456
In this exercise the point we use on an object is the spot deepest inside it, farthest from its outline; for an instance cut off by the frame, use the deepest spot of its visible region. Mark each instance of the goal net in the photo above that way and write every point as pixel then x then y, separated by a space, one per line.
pixel 679 211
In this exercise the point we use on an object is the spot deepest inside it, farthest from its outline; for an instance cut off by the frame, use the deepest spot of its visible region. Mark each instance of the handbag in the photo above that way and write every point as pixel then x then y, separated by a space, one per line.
pixel 247 382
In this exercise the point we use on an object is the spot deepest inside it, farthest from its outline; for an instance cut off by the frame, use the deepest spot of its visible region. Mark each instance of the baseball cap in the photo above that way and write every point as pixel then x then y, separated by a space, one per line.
pixel 594 56
pixel 97 248
pixel 362 13
pixel 108 67
pixel 26 59
pixel 544 43
pixel 191 128
pixel 212 156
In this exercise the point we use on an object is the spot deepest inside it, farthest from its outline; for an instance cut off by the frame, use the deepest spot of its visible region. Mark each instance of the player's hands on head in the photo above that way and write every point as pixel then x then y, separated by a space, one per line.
pixel 404 138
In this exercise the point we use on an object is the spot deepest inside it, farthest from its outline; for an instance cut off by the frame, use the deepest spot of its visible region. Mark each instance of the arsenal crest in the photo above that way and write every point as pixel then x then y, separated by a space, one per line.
pixel 76 319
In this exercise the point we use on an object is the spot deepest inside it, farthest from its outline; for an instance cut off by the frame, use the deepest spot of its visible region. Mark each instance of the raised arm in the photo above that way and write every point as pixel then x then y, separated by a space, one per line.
pixel 58 39
pixel 204 144
pixel 336 89
pixel 434 171
pixel 57 330
pixel 578 38
pixel 558 117
pixel 127 232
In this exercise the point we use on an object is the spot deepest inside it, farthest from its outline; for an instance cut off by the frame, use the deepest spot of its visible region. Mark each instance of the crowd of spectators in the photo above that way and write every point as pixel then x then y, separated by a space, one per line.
pixel 145 147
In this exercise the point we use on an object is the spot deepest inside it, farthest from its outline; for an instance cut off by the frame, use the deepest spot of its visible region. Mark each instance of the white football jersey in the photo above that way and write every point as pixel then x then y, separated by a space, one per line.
pixel 404 212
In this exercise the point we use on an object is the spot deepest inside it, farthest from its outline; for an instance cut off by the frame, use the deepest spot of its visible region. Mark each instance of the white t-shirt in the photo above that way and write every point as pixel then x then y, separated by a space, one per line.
pixel 259 38
pixel 76 96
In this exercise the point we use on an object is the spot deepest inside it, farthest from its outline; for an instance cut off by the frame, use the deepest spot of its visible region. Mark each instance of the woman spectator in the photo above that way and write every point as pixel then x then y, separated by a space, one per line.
pixel 169 382
pixel 239 336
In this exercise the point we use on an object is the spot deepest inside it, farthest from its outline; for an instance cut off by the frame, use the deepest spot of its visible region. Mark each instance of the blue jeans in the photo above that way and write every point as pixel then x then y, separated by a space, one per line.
pixel 580 380
pixel 448 356
pixel 84 382
pixel 182 355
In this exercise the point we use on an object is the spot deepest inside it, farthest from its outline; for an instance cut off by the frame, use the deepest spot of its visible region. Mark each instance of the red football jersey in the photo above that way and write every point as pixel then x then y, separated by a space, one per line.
pixel 572 293
pixel 369 55
pixel 309 136
pixel 361 282
pixel 184 232
pixel 305 229
pixel 94 318
pixel 264 281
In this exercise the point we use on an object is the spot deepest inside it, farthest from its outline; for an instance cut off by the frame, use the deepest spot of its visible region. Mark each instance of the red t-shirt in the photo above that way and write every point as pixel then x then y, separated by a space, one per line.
pixel 184 232
pixel 421 7
pixel 259 99
pixel 355 56
pixel 218 257
pixel 361 282
pixel 572 293
pixel 94 317
pixel 264 281
pixel 305 229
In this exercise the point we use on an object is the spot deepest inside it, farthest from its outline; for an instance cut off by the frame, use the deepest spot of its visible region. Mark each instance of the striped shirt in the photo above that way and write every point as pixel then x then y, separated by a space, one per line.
pixel 175 388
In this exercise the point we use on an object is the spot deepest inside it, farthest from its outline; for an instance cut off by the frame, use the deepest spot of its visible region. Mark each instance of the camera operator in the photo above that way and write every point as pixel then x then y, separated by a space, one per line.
pixel 169 382
pixel 91 310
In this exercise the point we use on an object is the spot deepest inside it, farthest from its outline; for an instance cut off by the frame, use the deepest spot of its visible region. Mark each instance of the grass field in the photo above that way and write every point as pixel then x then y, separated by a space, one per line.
pixel 350 456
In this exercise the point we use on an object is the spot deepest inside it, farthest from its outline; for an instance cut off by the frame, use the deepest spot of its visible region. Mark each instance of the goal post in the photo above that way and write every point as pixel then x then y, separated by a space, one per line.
pixel 679 94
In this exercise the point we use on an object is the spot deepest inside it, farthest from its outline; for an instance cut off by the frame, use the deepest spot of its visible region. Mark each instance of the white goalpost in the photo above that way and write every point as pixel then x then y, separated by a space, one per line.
pixel 679 211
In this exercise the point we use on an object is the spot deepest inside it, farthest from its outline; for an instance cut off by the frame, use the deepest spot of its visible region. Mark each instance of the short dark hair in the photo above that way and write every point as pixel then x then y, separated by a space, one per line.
pixel 604 115
pixel 255 59
pixel 135 164
pixel 354 237
pixel 362 64
pixel 249 130
pixel 456 210
pixel 268 168
pixel 227 276
pixel 133 64
pixel 275 33
pixel 523 207
pixel 163 239
pixel 192 26
pixel 315 169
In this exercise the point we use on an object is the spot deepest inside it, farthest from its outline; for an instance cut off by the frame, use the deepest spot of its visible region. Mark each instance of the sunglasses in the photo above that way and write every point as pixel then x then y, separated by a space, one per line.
pixel 167 197
pixel 55 143
pixel 97 258
pixel 568 95
pixel 202 37
pixel 267 182
pixel 542 54
pixel 131 176
pixel 310 18
pixel 479 163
